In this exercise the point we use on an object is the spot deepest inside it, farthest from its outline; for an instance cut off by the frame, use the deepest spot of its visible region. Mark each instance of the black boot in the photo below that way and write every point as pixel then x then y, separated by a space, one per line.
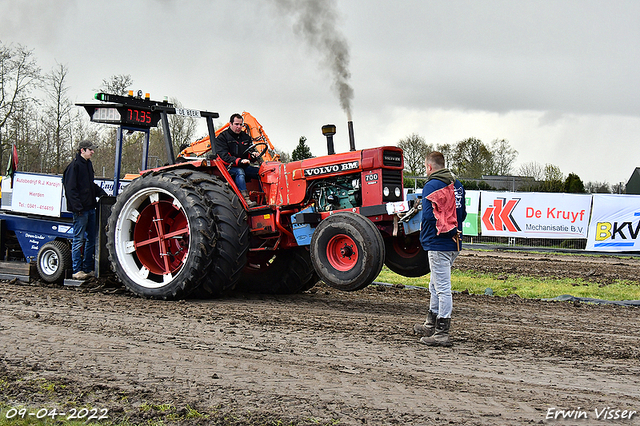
pixel 441 335
pixel 245 195
pixel 428 328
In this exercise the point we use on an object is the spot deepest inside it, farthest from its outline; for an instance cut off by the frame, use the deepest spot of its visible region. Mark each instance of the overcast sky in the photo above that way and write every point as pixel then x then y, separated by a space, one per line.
pixel 557 79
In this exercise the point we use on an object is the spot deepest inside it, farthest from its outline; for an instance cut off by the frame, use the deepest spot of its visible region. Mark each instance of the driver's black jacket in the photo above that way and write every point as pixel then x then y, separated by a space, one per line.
pixel 230 146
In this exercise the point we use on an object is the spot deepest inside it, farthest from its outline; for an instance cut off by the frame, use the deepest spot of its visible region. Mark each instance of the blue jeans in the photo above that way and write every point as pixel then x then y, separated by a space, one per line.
pixel 84 235
pixel 441 302
pixel 242 174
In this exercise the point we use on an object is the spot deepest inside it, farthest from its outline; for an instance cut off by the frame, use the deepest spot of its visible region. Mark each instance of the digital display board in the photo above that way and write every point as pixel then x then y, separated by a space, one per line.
pixel 127 115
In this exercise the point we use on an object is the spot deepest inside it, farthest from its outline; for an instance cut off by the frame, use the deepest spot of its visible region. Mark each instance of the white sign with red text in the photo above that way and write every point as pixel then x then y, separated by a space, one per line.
pixel 534 214
pixel 615 224
pixel 37 194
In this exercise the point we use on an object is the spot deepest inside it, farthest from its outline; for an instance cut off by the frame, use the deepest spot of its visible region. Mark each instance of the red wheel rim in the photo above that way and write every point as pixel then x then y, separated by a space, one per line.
pixel 342 252
pixel 161 237
pixel 406 249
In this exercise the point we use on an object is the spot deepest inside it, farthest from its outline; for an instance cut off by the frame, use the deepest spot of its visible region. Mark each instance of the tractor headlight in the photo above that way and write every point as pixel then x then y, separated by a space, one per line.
pixel 397 192
pixel 385 191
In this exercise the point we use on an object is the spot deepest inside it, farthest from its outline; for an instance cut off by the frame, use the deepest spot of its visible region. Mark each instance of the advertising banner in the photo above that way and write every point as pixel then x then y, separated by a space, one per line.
pixel 470 224
pixel 37 194
pixel 615 224
pixel 534 214
pixel 107 185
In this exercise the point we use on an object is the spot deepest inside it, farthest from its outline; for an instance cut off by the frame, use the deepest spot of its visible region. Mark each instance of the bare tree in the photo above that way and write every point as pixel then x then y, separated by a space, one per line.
pixel 503 157
pixel 415 151
pixel 116 84
pixel 19 74
pixel 285 157
pixel 58 120
pixel 24 129
pixel 597 187
pixel 447 150
pixel 531 169
pixel 619 188
pixel 181 128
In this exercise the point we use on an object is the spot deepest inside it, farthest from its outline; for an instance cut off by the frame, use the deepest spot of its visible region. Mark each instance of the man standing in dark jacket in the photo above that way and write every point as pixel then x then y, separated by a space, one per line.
pixel 81 193
pixel 232 145
pixel 443 211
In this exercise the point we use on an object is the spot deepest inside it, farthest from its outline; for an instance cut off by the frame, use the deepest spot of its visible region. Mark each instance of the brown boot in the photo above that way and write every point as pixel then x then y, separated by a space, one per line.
pixel 245 195
pixel 441 335
pixel 428 328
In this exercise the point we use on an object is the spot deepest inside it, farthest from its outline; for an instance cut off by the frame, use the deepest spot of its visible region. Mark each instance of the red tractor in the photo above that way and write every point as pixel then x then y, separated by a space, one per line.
pixel 184 228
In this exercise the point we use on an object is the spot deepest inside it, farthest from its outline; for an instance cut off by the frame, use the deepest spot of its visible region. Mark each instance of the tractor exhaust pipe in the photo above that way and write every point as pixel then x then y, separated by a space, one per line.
pixel 352 141
pixel 329 130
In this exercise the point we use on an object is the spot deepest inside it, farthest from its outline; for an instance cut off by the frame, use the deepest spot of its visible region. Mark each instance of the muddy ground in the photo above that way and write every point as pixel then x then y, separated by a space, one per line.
pixel 326 357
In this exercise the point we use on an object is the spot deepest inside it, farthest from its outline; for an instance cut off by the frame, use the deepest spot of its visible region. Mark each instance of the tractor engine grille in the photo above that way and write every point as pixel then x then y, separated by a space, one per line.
pixel 392 179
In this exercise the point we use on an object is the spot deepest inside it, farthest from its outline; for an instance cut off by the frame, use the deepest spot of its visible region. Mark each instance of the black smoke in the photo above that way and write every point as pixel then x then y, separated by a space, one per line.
pixel 316 21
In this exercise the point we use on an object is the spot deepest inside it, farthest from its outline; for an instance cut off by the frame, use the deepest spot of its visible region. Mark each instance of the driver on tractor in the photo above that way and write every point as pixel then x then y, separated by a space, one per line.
pixel 235 148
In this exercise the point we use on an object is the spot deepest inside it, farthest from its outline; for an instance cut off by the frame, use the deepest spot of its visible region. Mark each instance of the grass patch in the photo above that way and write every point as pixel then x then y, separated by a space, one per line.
pixel 526 287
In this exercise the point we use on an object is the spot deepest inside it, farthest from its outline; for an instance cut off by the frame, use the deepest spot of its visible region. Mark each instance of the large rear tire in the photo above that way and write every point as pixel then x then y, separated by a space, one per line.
pixel 279 272
pixel 347 251
pixel 54 258
pixel 405 256
pixel 232 234
pixel 311 282
pixel 161 236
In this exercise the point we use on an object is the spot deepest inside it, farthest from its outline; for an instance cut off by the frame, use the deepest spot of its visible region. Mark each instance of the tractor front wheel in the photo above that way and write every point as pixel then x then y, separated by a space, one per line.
pixel 347 251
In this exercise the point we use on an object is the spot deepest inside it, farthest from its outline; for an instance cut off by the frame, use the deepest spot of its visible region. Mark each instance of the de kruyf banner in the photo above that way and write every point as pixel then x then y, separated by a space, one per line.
pixel 534 214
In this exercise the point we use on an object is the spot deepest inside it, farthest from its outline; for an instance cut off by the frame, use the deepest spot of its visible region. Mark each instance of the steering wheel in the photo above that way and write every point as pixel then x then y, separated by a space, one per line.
pixel 255 146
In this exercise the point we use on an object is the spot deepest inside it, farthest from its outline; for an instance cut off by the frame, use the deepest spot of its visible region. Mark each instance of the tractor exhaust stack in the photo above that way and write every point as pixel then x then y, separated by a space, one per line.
pixel 352 141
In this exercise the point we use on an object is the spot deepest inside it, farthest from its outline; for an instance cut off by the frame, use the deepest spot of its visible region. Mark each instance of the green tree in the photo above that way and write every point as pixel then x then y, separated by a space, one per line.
pixel 553 179
pixel 415 151
pixel 471 159
pixel 476 185
pixel 573 184
pixel 302 151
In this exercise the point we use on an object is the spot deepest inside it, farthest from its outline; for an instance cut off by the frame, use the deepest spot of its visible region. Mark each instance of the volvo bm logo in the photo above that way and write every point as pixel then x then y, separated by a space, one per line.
pixel 334 168
pixel 391 158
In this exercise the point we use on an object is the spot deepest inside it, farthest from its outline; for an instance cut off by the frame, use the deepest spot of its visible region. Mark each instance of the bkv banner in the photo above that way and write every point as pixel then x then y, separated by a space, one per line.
pixel 615 224
pixel 534 214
